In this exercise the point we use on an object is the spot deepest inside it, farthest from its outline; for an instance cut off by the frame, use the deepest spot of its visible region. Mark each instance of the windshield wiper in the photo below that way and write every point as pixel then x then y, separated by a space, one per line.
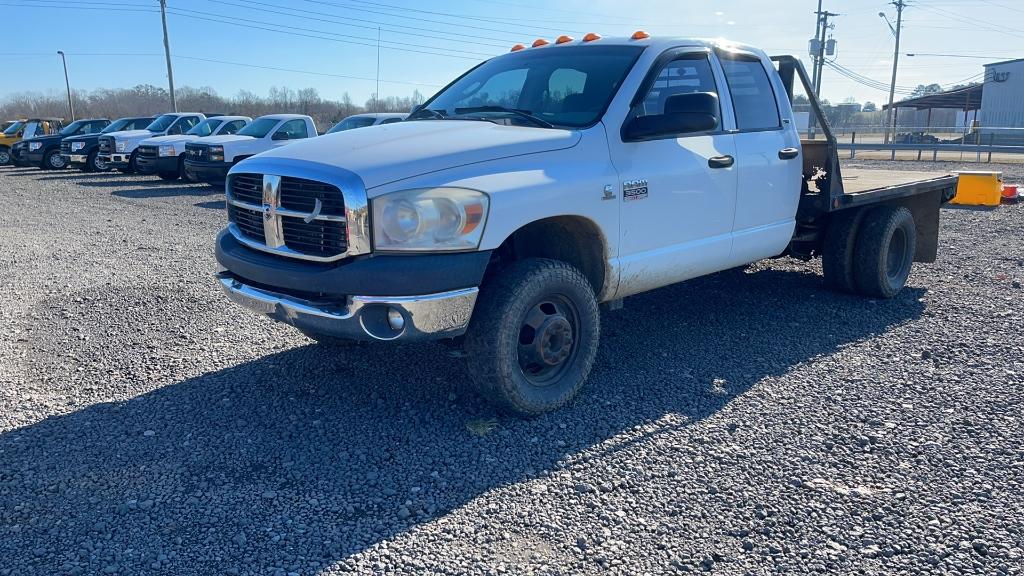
pixel 434 114
pixel 525 114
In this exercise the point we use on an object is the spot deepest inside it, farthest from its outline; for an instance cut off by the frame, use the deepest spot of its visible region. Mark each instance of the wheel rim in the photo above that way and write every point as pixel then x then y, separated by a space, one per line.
pixel 100 164
pixel 5 157
pixel 548 340
pixel 895 259
pixel 56 161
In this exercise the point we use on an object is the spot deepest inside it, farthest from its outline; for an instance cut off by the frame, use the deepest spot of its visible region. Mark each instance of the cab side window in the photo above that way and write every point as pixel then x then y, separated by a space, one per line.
pixel 292 130
pixel 753 97
pixel 685 75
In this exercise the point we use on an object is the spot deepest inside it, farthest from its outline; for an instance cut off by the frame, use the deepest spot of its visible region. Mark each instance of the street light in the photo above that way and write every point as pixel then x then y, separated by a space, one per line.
pixel 71 105
pixel 886 18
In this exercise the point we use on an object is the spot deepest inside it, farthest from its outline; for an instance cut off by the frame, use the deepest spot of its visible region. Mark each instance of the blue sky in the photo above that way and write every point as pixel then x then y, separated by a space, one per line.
pixel 118 43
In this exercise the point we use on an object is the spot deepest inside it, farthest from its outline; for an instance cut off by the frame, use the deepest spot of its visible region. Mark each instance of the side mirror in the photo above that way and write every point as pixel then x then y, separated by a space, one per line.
pixel 280 136
pixel 683 114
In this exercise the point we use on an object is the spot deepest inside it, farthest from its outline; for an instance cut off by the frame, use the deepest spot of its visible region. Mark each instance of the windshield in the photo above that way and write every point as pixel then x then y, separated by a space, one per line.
pixel 72 128
pixel 352 122
pixel 116 125
pixel 204 128
pixel 13 128
pixel 162 123
pixel 567 86
pixel 259 127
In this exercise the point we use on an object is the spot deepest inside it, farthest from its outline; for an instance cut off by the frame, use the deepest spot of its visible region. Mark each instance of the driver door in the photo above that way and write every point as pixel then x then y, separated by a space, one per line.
pixel 677 191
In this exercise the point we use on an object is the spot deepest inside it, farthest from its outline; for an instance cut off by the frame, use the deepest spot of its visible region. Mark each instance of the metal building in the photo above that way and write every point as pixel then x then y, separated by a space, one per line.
pixel 1002 102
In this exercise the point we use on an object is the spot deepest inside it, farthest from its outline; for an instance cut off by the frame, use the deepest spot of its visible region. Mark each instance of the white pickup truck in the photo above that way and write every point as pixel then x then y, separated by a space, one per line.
pixel 209 159
pixel 551 179
pixel 165 155
pixel 120 149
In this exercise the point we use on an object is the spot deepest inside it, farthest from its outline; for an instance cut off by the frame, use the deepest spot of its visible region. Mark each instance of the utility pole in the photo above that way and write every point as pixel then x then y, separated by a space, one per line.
pixel 71 105
pixel 821 50
pixel 817 35
pixel 377 97
pixel 167 52
pixel 900 5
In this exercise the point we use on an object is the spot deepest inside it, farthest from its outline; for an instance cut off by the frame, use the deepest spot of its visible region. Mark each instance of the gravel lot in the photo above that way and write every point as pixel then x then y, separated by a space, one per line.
pixel 748 422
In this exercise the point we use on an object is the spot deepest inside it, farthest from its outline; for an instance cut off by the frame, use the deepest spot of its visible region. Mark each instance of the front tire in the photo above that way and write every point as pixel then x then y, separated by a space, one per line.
pixel 54 161
pixel 94 164
pixel 533 337
pixel 5 156
pixel 131 164
pixel 885 249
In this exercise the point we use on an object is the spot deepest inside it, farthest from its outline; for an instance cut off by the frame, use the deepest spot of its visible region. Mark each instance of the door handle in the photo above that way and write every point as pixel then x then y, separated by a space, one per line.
pixel 721 161
pixel 788 153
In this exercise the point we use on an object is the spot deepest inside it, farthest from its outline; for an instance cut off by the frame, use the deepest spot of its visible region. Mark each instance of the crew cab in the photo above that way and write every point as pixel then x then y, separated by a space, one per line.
pixel 550 180
pixel 83 151
pixel 165 155
pixel 23 129
pixel 367 119
pixel 44 151
pixel 119 150
pixel 209 159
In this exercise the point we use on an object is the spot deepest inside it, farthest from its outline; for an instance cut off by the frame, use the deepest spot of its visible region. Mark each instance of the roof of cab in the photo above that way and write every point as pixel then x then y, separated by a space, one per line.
pixel 285 116
pixel 379 115
pixel 658 43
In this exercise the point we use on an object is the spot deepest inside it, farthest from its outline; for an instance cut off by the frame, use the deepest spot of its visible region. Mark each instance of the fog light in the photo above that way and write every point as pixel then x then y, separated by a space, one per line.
pixel 395 319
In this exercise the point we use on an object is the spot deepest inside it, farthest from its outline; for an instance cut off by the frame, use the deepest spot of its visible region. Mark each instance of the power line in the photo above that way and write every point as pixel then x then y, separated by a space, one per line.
pixel 311 72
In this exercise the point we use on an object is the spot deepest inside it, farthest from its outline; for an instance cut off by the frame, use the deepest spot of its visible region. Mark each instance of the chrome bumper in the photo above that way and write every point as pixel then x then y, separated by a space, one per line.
pixel 424 317
pixel 77 158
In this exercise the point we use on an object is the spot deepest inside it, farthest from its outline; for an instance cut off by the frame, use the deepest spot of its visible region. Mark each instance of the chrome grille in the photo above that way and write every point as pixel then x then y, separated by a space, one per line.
pixel 289 216
pixel 148 151
pixel 107 145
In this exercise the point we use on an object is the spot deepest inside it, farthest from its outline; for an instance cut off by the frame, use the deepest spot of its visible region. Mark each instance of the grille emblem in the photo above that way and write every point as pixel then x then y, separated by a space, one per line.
pixel 273 228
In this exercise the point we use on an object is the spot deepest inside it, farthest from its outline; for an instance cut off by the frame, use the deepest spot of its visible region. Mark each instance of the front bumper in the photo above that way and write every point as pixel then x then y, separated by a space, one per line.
pixel 211 172
pixel 75 158
pixel 155 165
pixel 423 317
pixel 116 160
pixel 32 158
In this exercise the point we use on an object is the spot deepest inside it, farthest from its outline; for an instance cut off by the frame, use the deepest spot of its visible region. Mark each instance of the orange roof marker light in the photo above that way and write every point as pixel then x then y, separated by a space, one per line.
pixel 563 39
pixel 640 35
pixel 540 42
pixel 591 36
pixel 517 48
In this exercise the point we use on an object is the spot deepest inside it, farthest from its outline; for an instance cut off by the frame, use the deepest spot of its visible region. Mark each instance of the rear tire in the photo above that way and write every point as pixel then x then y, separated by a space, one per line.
pixel 54 161
pixel 838 248
pixel 884 254
pixel 533 337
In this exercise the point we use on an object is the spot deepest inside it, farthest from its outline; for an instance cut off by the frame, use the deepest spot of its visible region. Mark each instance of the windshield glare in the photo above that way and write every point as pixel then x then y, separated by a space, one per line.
pixel 204 128
pixel 13 128
pixel 259 128
pixel 116 125
pixel 352 122
pixel 72 128
pixel 564 85
pixel 162 123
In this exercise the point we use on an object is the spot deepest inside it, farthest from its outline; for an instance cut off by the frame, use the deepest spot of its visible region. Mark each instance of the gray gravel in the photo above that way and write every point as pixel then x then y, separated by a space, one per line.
pixel 748 422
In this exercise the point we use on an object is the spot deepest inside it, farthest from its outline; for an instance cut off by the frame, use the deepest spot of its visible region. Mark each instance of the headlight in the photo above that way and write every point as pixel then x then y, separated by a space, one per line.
pixel 76 146
pixel 216 153
pixel 429 219
pixel 120 146
pixel 32 146
pixel 167 151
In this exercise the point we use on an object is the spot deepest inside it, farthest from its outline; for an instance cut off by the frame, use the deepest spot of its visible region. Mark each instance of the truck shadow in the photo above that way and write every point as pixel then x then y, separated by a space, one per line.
pixel 167 191
pixel 329 452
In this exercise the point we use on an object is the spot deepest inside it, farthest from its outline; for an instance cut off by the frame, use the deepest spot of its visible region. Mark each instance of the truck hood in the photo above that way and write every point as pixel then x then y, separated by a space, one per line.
pixel 175 139
pixel 223 139
pixel 383 154
pixel 131 135
pixel 44 139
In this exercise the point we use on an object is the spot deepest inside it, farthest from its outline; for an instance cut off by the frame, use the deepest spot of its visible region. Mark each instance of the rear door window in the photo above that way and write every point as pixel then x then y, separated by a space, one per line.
pixel 295 129
pixel 753 97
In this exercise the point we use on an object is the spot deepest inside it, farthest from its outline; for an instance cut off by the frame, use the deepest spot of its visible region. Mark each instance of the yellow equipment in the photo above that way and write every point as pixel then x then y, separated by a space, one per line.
pixel 979 189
